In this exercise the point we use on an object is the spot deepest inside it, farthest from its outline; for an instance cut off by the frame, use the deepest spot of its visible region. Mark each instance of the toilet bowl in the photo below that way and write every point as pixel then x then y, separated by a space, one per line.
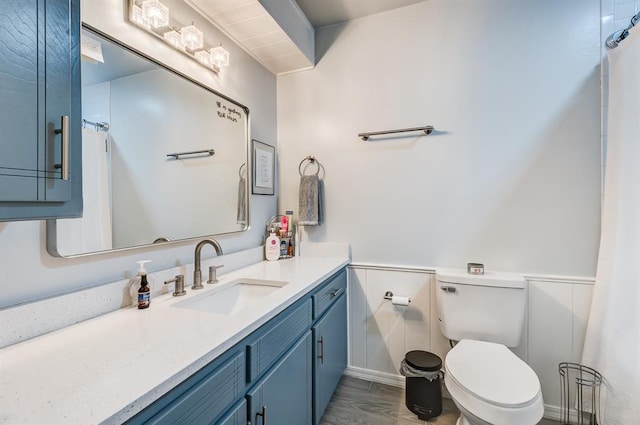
pixel 491 386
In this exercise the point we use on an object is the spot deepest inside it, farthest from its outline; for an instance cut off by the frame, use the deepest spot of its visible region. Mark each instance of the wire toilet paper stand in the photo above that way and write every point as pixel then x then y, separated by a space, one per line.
pixel 580 394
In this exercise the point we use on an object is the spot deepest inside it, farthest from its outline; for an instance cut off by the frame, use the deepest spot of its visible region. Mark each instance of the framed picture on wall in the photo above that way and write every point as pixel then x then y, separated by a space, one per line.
pixel 264 158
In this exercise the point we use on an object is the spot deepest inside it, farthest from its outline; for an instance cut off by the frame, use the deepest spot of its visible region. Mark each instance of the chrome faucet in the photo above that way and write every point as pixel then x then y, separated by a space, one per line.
pixel 197 272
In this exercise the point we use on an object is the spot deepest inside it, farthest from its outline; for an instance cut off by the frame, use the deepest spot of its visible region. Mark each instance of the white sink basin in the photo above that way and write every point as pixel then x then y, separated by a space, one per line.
pixel 233 297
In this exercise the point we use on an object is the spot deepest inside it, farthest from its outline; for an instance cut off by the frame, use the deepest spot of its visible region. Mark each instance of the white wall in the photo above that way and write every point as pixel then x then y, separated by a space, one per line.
pixel 510 179
pixel 28 272
pixel 380 334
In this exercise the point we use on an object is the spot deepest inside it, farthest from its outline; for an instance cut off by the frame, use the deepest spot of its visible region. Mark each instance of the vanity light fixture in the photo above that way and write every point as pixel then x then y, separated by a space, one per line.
pixel 192 37
pixel 204 56
pixel 174 38
pixel 153 17
pixel 220 56
pixel 156 13
pixel 138 18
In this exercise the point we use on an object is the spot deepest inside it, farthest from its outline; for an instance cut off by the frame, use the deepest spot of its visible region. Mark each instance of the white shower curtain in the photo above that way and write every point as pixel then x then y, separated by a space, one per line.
pixel 92 232
pixel 612 344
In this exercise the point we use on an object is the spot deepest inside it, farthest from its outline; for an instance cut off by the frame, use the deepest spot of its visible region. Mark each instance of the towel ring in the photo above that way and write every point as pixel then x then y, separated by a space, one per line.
pixel 312 160
pixel 244 165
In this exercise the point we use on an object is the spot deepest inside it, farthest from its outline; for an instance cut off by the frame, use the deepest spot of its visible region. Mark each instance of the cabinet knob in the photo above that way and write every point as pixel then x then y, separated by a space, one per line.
pixel 336 292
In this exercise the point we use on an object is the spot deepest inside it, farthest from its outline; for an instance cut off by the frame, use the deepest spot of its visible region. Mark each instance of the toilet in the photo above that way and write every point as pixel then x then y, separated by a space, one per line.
pixel 485 313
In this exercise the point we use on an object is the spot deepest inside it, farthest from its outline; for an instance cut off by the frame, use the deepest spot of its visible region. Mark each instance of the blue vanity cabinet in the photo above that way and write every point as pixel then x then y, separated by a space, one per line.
pixel 39 108
pixel 284 395
pixel 330 353
pixel 237 416
pixel 204 397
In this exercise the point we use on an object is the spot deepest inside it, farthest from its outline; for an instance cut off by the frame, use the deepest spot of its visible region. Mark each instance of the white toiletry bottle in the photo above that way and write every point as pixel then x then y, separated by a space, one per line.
pixel 144 291
pixel 272 247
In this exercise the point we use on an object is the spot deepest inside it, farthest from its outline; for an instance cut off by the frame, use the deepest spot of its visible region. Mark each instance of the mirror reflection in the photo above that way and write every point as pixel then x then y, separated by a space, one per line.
pixel 164 158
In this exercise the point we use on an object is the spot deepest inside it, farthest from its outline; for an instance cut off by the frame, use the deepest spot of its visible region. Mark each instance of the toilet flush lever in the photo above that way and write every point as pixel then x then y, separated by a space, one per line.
pixel 449 289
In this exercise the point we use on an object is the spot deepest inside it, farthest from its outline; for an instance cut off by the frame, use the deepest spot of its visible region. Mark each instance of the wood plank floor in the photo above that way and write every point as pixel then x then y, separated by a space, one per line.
pixel 358 402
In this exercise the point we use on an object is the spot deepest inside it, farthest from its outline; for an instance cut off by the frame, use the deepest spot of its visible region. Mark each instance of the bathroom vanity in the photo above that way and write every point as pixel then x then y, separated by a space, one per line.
pixel 276 358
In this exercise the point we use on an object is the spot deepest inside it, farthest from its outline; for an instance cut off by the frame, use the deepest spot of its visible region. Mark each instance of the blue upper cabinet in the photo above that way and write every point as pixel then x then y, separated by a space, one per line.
pixel 40 111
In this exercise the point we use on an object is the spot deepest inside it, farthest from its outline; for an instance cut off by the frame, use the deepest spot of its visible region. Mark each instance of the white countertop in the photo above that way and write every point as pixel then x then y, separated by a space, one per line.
pixel 107 369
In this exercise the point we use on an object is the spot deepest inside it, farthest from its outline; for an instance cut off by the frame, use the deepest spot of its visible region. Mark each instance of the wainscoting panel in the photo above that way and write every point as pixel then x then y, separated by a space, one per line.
pixel 558 313
pixel 380 334
pixel 357 309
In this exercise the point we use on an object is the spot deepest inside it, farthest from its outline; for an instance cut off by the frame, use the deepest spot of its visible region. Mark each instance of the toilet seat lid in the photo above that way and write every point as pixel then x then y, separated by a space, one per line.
pixel 492 373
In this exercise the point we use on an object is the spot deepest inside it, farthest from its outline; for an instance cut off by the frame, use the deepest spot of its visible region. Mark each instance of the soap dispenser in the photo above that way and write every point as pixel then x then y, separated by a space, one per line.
pixel 144 292
pixel 272 247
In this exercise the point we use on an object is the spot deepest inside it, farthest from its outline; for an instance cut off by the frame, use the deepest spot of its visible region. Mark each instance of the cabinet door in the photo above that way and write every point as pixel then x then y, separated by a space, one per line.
pixel 283 396
pixel 20 93
pixel 330 357
pixel 59 48
pixel 39 84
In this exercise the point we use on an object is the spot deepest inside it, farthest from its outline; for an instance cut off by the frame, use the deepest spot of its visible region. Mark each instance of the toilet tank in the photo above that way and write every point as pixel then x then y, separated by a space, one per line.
pixel 489 307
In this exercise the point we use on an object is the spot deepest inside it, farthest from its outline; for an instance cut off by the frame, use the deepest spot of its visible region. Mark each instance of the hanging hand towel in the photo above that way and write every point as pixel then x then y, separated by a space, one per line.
pixel 241 211
pixel 309 201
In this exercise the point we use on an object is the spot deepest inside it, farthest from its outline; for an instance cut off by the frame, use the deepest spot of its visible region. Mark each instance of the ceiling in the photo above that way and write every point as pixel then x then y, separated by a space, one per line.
pixel 327 12
pixel 250 25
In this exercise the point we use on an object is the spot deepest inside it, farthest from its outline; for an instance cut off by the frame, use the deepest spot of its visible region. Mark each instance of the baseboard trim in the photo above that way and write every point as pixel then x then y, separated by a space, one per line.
pixel 374 376
pixel 555 413
pixel 382 378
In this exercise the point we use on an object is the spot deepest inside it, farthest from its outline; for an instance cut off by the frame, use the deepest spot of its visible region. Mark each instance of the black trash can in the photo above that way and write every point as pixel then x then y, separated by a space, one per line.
pixel 423 395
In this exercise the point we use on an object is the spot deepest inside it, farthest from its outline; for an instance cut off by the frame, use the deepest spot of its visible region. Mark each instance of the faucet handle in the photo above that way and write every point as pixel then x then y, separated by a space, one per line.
pixel 212 274
pixel 179 288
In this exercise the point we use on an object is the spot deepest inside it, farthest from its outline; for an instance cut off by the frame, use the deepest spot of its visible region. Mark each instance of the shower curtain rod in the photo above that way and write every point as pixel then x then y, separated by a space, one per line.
pixel 614 39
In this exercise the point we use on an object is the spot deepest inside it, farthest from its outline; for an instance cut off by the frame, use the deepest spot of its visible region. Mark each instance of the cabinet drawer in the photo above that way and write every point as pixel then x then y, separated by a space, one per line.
pixel 328 293
pixel 263 353
pixel 237 416
pixel 208 398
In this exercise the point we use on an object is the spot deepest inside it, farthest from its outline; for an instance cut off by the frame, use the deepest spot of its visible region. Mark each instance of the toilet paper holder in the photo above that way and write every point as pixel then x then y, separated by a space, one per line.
pixel 389 296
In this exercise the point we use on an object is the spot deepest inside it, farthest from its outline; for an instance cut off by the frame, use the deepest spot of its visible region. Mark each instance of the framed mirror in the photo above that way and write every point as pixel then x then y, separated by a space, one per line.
pixel 165 158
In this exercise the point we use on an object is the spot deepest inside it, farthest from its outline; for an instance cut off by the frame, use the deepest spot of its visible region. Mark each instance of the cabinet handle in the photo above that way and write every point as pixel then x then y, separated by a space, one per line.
pixel 263 414
pixel 64 157
pixel 321 356
pixel 336 292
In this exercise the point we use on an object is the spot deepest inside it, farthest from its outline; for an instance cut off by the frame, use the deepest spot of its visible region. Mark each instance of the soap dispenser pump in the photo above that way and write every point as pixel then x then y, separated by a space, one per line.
pixel 144 292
